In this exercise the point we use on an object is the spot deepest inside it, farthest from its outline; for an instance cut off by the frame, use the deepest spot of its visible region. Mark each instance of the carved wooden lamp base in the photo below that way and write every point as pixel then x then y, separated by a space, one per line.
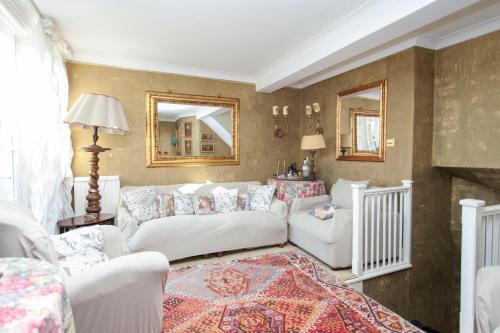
pixel 94 197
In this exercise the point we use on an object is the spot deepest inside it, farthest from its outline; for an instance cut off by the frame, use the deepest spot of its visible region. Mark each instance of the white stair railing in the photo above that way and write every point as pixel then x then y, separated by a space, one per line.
pixel 381 229
pixel 480 248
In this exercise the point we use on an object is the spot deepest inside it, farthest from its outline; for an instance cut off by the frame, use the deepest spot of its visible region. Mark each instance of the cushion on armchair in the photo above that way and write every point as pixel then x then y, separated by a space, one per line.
pixel 341 192
pixel 323 211
pixel 141 203
pixel 80 249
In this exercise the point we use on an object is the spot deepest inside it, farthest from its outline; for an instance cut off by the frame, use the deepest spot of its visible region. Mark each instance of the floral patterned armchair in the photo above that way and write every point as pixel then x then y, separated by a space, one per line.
pixel 109 290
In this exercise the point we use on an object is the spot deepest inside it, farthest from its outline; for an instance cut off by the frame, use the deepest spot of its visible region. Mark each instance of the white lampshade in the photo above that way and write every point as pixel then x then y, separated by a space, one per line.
pixel 312 142
pixel 92 110
pixel 345 141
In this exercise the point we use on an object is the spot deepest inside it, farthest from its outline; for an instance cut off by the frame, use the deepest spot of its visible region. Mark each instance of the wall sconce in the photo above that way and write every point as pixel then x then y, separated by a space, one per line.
pixel 278 132
pixel 309 111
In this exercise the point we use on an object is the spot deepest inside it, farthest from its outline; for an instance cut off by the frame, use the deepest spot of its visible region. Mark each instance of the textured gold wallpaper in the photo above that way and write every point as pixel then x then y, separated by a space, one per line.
pixel 259 149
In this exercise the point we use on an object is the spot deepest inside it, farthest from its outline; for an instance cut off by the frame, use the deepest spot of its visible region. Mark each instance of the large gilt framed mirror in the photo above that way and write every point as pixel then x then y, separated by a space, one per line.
pixel 190 130
pixel 361 123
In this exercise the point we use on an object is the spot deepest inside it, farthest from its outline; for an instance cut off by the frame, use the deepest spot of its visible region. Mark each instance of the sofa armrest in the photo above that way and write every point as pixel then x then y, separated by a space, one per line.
pixel 126 222
pixel 279 208
pixel 300 204
pixel 113 295
pixel 115 244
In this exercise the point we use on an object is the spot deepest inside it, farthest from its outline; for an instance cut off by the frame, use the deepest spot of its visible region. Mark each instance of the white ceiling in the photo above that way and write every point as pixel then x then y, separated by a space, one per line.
pixel 273 43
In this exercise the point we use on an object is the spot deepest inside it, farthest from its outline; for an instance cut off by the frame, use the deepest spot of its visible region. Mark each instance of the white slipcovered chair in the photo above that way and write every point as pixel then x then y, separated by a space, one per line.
pixel 123 294
pixel 329 240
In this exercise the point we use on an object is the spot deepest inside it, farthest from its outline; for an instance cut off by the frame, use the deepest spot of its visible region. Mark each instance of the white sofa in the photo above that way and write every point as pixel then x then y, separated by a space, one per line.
pixel 183 236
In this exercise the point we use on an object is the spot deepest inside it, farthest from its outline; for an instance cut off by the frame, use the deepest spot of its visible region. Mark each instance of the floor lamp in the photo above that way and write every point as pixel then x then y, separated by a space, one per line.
pixel 98 113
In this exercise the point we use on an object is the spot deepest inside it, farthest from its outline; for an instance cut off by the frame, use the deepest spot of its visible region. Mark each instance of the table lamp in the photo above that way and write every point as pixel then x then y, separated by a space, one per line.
pixel 345 143
pixel 98 113
pixel 313 143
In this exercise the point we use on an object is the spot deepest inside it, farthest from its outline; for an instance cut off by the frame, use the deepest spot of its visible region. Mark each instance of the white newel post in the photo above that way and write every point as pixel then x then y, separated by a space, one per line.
pixel 471 221
pixel 407 220
pixel 357 227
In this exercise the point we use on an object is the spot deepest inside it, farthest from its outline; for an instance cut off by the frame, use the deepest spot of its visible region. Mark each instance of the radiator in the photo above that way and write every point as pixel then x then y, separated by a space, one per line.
pixel 109 188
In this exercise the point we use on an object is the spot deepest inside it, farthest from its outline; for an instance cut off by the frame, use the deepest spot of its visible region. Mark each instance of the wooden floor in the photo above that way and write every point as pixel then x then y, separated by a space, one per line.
pixel 345 274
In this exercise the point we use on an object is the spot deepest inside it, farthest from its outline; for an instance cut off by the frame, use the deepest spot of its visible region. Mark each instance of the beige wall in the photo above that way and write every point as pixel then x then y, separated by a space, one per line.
pixel 259 149
pixel 166 132
pixel 467 105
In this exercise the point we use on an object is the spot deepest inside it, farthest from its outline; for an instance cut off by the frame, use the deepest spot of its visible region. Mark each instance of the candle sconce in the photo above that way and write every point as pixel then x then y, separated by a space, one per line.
pixel 309 111
pixel 280 132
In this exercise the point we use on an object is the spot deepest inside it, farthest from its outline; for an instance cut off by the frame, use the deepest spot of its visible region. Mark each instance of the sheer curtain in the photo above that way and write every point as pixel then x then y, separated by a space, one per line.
pixel 36 102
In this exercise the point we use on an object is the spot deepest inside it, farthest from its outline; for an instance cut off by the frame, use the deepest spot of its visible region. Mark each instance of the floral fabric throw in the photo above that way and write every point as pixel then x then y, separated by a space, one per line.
pixel 165 204
pixel 204 204
pixel 141 203
pixel 226 200
pixel 80 249
pixel 261 197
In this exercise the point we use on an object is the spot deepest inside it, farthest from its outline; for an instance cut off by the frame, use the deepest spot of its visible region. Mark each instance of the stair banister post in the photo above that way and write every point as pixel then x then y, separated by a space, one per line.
pixel 471 222
pixel 407 212
pixel 358 198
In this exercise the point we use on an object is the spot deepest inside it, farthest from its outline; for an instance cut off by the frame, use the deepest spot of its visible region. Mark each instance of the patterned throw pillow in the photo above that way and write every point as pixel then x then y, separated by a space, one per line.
pixel 243 202
pixel 183 203
pixel 261 197
pixel 141 203
pixel 204 204
pixel 226 200
pixel 166 204
pixel 323 211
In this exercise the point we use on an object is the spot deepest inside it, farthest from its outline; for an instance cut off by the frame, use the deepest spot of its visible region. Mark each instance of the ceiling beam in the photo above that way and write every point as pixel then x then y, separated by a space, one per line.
pixel 370 27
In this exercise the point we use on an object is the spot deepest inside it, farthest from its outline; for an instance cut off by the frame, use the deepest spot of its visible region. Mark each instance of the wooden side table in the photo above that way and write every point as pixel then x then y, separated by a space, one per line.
pixel 80 221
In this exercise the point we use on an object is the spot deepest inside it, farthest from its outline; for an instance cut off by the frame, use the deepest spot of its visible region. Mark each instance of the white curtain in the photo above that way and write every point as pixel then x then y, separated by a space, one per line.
pixel 39 100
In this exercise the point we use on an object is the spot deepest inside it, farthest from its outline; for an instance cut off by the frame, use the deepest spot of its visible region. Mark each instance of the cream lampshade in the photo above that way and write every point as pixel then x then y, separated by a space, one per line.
pixel 313 143
pixel 99 113
pixel 345 143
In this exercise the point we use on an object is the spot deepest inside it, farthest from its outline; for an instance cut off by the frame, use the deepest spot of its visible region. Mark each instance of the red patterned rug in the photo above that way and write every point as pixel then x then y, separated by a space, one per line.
pixel 280 293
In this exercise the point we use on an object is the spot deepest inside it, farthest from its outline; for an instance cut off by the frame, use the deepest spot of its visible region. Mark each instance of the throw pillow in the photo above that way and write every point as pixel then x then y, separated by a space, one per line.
pixel 141 203
pixel 183 203
pixel 226 200
pixel 323 211
pixel 342 192
pixel 203 204
pixel 261 197
pixel 166 204
pixel 243 202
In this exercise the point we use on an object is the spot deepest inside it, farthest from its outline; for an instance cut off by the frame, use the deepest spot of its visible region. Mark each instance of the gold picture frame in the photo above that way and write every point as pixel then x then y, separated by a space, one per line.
pixel 371 157
pixel 153 160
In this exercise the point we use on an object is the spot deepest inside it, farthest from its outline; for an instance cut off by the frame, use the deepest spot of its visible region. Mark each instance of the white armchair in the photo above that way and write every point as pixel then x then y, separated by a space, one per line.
pixel 124 294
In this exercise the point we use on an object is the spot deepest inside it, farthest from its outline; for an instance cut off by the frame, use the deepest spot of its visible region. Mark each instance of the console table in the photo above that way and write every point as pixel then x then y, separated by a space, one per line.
pixel 287 190
pixel 33 298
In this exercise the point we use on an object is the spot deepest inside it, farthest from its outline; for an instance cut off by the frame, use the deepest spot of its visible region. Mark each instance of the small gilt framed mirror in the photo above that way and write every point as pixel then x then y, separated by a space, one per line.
pixel 361 123
pixel 190 130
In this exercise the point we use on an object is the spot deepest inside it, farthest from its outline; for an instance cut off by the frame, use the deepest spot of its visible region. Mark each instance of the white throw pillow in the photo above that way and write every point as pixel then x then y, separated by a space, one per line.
pixel 183 203
pixel 225 200
pixel 261 197
pixel 342 192
pixel 141 203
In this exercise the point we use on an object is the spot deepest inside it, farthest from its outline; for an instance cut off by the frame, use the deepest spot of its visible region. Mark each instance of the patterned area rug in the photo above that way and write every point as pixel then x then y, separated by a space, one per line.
pixel 275 293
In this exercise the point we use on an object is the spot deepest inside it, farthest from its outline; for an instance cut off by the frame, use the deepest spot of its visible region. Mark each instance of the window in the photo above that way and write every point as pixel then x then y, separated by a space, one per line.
pixel 8 181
